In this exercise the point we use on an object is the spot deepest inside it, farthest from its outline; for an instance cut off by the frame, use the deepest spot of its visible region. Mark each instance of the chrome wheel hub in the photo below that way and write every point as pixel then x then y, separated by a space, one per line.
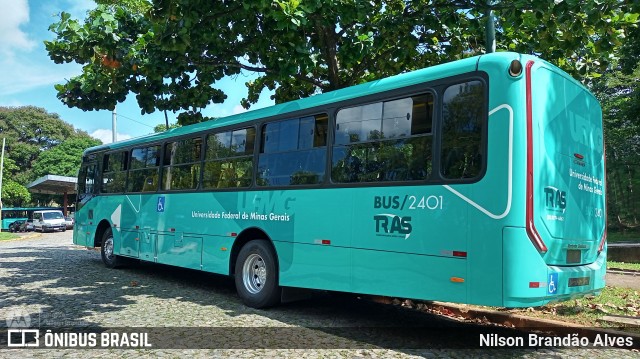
pixel 254 273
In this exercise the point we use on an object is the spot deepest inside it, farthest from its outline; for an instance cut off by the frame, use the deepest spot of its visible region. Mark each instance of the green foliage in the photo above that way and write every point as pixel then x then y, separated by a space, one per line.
pixel 14 194
pixel 619 93
pixel 172 53
pixel 37 143
pixel 162 128
pixel 65 159
pixel 29 131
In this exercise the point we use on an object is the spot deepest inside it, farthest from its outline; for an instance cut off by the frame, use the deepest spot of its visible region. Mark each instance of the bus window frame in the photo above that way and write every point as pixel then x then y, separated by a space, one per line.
pixel 435 87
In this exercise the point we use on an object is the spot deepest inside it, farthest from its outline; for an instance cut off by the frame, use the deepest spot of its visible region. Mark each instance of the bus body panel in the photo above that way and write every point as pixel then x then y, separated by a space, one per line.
pixel 569 194
pixel 529 281
pixel 410 275
pixel 498 195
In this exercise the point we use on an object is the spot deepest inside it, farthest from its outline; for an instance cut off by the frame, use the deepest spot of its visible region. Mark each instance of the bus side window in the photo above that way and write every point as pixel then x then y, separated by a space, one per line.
pixel 385 141
pixel 228 159
pixel 181 164
pixel 293 152
pixel 86 179
pixel 463 121
pixel 114 173
pixel 143 174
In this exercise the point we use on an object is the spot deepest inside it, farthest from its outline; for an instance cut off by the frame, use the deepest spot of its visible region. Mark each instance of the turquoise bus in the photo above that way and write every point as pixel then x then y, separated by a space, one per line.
pixel 476 181
pixel 13 214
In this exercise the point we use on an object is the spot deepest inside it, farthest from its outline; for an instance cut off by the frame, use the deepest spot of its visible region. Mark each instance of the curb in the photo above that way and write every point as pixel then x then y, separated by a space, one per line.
pixel 630 272
pixel 524 322
pixel 461 312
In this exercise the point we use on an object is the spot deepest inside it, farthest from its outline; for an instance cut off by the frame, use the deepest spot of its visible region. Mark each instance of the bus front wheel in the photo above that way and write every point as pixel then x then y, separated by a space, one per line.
pixel 110 259
pixel 256 275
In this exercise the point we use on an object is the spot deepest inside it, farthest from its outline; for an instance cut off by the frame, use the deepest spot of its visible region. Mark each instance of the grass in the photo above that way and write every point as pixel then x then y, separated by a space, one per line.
pixel 623 265
pixel 5 236
pixel 588 310
pixel 619 237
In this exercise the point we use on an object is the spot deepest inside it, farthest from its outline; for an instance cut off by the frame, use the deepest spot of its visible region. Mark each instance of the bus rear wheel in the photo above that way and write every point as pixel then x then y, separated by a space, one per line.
pixel 109 258
pixel 256 275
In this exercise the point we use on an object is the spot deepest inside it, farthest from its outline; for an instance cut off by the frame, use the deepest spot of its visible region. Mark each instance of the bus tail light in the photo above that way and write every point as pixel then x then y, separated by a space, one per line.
pixel 536 284
pixel 603 240
pixel 532 232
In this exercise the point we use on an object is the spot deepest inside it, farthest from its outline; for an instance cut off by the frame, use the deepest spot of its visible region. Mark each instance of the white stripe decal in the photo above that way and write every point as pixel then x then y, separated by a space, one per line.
pixel 510 170
pixel 139 203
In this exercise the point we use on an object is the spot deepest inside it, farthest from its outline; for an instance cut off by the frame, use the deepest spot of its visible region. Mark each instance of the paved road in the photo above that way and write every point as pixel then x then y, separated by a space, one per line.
pixel 623 280
pixel 50 282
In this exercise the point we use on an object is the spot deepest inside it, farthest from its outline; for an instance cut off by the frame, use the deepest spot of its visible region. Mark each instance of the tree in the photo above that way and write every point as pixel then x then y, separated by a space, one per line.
pixel 29 131
pixel 64 159
pixel 32 133
pixel 163 127
pixel 14 194
pixel 619 93
pixel 171 53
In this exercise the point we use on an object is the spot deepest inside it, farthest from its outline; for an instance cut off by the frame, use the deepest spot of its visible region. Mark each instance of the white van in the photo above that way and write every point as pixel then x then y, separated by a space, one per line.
pixel 48 221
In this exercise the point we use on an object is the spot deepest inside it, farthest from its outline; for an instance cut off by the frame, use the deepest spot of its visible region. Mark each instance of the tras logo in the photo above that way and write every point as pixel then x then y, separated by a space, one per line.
pixel 390 225
pixel 555 199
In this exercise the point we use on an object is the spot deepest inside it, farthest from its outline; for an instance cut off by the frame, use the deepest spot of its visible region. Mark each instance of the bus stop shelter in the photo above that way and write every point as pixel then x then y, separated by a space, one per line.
pixel 52 184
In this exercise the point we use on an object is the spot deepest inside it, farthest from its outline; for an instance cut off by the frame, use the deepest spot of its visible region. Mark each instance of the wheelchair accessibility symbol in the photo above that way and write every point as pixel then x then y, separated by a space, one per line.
pixel 160 207
pixel 552 287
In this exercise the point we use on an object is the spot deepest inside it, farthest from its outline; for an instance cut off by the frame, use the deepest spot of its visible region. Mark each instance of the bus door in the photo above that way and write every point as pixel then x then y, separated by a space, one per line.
pixel 84 214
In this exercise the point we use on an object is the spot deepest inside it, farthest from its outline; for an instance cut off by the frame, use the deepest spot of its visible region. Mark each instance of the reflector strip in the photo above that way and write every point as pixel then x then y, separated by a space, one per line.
pixel 233 234
pixel 534 284
pixel 603 240
pixel 457 280
pixel 578 156
pixel 460 254
pixel 533 234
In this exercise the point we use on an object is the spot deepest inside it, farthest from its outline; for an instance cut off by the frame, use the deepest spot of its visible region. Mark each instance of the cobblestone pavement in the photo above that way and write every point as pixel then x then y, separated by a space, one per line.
pixel 51 282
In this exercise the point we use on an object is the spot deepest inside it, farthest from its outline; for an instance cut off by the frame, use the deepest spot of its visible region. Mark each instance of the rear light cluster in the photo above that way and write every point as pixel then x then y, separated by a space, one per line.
pixel 603 240
pixel 532 232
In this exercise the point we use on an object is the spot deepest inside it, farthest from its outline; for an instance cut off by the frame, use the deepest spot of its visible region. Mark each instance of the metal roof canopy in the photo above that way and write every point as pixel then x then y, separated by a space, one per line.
pixel 52 184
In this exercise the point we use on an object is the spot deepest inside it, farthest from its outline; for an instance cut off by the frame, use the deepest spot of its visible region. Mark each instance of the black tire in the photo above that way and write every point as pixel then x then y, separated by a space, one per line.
pixel 256 275
pixel 109 258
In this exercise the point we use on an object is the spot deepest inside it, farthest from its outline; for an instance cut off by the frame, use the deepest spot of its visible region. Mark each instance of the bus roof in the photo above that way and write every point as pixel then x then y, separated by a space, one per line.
pixel 369 88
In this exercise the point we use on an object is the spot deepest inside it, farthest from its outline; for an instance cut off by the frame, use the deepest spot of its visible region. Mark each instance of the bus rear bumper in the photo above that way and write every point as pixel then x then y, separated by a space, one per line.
pixel 529 281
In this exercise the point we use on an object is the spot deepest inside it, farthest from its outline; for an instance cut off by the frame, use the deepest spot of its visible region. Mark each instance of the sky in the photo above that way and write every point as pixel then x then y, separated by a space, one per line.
pixel 28 75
